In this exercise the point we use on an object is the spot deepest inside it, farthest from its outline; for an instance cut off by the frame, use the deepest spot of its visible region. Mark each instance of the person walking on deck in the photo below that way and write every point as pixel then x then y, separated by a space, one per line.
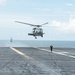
pixel 51 48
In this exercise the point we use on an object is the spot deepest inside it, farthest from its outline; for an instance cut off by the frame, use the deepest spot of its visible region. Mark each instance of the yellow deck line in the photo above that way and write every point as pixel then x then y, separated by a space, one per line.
pixel 19 52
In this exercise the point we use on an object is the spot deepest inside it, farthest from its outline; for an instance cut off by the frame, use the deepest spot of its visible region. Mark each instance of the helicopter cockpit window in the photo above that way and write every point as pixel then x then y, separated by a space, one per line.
pixel 34 30
pixel 38 30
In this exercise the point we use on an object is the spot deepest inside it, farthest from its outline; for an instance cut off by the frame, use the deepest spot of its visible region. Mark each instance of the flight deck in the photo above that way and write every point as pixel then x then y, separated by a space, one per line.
pixel 37 61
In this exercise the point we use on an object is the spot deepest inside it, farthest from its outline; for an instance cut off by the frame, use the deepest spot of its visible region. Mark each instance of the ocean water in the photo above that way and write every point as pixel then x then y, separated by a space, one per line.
pixel 37 43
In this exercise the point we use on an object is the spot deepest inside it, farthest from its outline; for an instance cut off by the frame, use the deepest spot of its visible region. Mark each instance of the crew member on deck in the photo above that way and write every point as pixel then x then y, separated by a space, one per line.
pixel 51 48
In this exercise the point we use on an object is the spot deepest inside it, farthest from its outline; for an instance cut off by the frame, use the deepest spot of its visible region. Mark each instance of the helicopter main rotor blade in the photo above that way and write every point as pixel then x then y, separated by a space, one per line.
pixel 32 24
pixel 42 24
pixel 45 23
pixel 25 23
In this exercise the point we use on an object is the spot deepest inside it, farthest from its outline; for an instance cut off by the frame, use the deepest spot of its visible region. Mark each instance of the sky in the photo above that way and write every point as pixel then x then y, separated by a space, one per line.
pixel 60 15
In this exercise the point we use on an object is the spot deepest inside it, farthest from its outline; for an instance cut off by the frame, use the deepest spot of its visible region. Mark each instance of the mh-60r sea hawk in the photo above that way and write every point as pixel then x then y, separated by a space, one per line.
pixel 36 31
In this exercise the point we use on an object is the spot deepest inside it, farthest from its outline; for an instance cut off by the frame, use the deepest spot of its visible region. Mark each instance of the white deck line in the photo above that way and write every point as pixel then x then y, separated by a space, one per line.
pixel 60 53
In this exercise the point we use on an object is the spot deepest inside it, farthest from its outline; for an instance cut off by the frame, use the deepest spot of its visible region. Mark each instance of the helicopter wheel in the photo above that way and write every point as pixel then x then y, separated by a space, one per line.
pixel 35 37
pixel 41 35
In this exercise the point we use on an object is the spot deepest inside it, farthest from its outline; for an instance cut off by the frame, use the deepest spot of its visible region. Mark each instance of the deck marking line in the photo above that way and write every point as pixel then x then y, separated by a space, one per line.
pixel 24 55
pixel 38 64
pixel 60 53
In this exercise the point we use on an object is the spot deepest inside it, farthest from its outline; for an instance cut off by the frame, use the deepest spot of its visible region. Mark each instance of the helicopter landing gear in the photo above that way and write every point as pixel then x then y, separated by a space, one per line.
pixel 41 35
pixel 35 37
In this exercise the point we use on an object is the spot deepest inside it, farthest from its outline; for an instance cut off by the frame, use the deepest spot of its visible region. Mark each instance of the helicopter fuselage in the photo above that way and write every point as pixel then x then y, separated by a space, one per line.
pixel 37 32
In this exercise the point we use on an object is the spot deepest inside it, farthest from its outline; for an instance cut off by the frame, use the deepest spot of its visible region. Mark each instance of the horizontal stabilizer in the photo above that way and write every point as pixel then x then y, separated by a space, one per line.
pixel 30 34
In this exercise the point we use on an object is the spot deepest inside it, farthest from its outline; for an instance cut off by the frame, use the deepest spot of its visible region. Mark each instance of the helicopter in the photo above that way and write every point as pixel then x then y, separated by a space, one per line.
pixel 36 31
